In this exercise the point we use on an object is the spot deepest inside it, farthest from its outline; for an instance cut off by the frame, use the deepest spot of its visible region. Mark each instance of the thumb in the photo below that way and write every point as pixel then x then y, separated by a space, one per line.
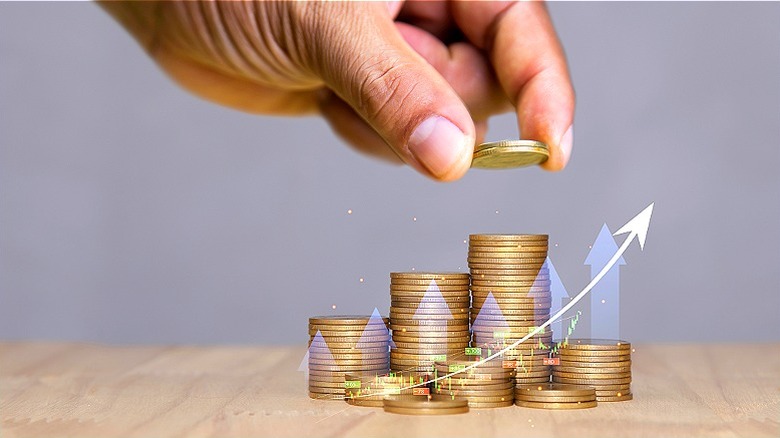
pixel 358 52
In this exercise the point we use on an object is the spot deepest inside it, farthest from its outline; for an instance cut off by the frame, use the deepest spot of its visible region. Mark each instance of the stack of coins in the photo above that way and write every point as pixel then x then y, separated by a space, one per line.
pixel 604 364
pixel 431 405
pixel 510 287
pixel 487 385
pixel 345 344
pixel 360 390
pixel 429 317
pixel 555 396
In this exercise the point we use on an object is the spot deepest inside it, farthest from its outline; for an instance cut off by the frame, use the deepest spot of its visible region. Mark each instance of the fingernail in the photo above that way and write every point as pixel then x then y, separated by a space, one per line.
pixel 438 145
pixel 566 143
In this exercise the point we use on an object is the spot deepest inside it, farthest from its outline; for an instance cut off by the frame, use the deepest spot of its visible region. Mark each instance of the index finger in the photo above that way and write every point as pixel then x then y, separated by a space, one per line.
pixel 530 65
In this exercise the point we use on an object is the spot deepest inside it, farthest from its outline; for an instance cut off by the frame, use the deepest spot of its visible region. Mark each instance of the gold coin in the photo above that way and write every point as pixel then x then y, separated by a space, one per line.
pixel 507 237
pixel 493 260
pixel 443 309
pixel 579 370
pixel 425 411
pixel 625 387
pixel 326 396
pixel 503 266
pixel 585 358
pixel 481 400
pixel 535 380
pixel 597 344
pixel 474 253
pixel 555 398
pixel 362 401
pixel 425 307
pixel 617 398
pixel 590 376
pixel 423 275
pixel 534 293
pixel 591 382
pixel 348 368
pixel 523 247
pixel 545 405
pixel 491 405
pixel 353 328
pixel 342 320
pixel 462 393
pixel 602 365
pixel 507 154
pixel 555 389
pixel 511 273
pixel 344 333
pixel 438 346
pixel 422 290
pixel 330 378
pixel 407 328
pixel 350 362
pixel 326 390
pixel 581 354
pixel 424 402
pixel 459 302
pixel 613 392
pixel 506 292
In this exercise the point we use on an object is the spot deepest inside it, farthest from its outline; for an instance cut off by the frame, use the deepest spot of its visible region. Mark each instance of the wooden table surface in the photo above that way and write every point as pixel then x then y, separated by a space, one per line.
pixel 83 390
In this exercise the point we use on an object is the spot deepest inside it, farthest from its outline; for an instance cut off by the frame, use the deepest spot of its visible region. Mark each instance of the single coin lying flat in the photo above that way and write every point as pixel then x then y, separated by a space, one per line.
pixel 507 154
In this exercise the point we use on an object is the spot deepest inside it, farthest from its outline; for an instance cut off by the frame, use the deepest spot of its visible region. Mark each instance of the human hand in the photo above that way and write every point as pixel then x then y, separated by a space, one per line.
pixel 424 85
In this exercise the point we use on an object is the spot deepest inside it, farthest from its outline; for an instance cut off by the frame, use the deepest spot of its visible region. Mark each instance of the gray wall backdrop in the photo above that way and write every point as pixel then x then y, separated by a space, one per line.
pixel 131 211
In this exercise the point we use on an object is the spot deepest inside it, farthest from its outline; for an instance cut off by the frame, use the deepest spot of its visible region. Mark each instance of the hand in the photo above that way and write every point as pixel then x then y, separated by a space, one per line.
pixel 425 85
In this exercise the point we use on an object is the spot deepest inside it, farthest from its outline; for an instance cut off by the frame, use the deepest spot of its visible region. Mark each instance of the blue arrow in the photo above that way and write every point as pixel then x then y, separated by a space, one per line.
pixel 322 356
pixel 490 319
pixel 560 297
pixel 375 323
pixel 605 298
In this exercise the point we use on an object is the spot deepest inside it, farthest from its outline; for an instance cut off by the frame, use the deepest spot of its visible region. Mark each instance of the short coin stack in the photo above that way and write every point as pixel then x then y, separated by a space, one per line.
pixel 430 405
pixel 345 344
pixel 510 287
pixel 429 314
pixel 487 385
pixel 604 364
pixel 555 396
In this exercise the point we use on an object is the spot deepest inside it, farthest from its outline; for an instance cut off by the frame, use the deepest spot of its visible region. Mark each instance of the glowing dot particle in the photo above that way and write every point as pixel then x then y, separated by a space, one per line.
pixel 603 301
pixel 590 246
pixel 361 279
pixel 349 211
pixel 556 245
pixel 414 219
pixel 333 307
pixel 496 211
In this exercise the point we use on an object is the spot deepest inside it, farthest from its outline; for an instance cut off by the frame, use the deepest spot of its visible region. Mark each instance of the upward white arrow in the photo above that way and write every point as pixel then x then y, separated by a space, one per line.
pixel 636 227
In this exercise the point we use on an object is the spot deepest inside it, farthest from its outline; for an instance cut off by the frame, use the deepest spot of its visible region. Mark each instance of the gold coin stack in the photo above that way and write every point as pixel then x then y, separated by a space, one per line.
pixel 361 390
pixel 430 405
pixel 345 344
pixel 429 317
pixel 555 396
pixel 604 364
pixel 487 385
pixel 510 288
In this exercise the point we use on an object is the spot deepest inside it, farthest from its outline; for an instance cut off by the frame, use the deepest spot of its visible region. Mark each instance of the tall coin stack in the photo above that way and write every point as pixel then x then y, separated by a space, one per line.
pixel 510 287
pixel 345 344
pixel 429 317
pixel 604 364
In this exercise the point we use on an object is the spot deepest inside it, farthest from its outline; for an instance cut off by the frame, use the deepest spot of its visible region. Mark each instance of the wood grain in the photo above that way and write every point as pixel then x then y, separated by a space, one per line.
pixel 85 390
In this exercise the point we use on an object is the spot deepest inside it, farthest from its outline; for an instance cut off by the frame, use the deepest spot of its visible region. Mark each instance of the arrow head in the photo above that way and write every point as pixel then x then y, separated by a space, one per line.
pixel 433 299
pixel 638 226
pixel 602 250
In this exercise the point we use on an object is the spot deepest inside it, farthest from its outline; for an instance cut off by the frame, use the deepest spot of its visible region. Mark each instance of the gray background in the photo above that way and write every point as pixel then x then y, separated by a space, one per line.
pixel 131 211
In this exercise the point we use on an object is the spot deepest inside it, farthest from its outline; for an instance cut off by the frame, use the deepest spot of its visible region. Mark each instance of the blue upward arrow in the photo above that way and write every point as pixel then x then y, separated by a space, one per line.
pixel 559 295
pixel 605 297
